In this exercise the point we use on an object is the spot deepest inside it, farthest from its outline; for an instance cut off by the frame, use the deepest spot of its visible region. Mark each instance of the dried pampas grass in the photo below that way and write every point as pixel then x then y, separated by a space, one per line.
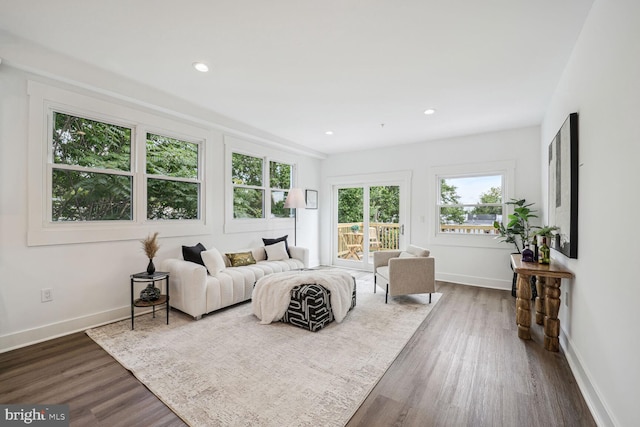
pixel 150 245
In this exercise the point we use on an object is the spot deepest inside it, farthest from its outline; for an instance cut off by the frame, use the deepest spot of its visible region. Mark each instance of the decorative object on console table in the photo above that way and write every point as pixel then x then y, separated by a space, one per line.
pixel 150 247
pixel 563 187
pixel 295 201
pixel 547 234
pixel 544 252
pixel 527 254
pixel 151 296
pixel 311 198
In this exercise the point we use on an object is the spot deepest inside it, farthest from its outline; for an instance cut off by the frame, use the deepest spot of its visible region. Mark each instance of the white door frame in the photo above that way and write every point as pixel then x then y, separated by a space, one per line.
pixel 400 178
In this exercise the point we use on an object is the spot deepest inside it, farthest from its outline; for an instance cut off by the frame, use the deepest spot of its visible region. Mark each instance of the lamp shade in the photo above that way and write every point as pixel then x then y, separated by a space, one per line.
pixel 295 199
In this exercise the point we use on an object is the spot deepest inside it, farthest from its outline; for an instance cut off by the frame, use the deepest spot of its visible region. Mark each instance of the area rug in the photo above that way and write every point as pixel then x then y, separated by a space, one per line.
pixel 229 370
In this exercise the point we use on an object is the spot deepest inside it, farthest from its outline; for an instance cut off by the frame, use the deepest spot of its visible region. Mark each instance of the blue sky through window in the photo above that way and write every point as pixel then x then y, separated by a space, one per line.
pixel 470 188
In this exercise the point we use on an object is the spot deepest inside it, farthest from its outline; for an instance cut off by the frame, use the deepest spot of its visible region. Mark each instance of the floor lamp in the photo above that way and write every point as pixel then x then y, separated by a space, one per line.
pixel 295 201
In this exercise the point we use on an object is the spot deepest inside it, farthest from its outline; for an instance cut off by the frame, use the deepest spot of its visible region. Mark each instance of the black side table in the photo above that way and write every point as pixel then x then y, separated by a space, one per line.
pixel 147 278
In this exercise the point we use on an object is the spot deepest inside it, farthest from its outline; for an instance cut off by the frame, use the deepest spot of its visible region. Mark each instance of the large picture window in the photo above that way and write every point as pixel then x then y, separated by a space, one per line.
pixel 470 204
pixel 105 170
pixel 92 178
pixel 249 177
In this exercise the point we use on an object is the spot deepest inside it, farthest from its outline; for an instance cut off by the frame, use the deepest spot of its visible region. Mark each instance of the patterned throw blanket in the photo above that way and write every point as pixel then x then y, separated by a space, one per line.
pixel 272 294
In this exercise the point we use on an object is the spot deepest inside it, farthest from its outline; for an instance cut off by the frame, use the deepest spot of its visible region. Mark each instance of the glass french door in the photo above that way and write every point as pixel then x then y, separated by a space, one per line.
pixel 368 218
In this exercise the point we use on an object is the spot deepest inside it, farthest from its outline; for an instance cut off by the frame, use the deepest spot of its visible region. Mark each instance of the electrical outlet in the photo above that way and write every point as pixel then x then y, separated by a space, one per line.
pixel 46 295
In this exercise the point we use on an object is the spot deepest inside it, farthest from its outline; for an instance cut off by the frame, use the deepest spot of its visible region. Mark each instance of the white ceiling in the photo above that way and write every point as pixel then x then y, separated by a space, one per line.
pixel 365 69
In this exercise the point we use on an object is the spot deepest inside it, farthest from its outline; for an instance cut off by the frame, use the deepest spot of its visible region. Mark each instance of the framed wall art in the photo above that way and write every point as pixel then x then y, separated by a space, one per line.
pixel 311 198
pixel 563 187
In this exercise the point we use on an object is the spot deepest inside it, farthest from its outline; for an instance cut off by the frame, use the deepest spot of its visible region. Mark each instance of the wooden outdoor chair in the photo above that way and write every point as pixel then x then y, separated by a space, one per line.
pixel 353 243
pixel 374 243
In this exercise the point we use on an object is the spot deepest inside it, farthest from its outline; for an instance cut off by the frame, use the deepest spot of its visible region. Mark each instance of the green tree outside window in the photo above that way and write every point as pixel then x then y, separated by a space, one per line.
pixel 91 174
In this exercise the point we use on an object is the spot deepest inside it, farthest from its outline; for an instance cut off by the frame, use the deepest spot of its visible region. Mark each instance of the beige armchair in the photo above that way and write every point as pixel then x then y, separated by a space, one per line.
pixel 404 272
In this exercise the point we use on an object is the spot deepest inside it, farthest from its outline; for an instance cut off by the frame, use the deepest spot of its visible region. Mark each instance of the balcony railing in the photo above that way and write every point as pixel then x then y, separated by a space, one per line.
pixel 382 237
pixel 386 236
pixel 467 229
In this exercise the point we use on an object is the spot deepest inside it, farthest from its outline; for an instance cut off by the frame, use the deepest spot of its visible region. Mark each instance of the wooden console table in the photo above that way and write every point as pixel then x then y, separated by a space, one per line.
pixel 547 303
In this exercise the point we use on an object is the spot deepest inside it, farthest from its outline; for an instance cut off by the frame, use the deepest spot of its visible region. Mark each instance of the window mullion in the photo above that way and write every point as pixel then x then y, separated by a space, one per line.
pixel 266 187
pixel 139 164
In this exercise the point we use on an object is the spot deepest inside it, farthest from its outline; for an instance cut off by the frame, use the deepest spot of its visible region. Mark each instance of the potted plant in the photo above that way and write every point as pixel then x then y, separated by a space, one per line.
pixel 548 231
pixel 518 230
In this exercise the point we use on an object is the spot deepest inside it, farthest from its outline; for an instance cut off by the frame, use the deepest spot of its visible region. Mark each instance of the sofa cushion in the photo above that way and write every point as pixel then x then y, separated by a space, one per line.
pixel 276 252
pixel 241 258
pixel 213 260
pixel 192 253
pixel 258 253
pixel 268 242
pixel 405 254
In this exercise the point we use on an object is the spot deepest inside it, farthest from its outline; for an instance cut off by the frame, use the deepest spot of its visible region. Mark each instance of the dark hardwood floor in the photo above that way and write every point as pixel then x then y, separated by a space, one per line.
pixel 465 366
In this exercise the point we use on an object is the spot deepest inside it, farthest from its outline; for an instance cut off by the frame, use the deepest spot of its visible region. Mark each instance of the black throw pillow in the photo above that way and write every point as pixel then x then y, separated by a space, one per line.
pixel 192 253
pixel 268 242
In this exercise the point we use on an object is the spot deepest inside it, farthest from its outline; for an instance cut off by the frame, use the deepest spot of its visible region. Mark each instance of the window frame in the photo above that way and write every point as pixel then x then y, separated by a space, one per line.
pixel 279 190
pixel 506 169
pixel 440 178
pixel 51 165
pixel 197 180
pixel 44 99
pixel 266 223
pixel 263 188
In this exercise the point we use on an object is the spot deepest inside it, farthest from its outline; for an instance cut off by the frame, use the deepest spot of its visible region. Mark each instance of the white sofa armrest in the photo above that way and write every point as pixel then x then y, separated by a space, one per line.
pixel 187 286
pixel 300 253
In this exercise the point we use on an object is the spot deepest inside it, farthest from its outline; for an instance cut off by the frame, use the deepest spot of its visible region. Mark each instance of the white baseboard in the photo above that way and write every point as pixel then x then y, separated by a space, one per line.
pixel 598 408
pixel 474 281
pixel 66 327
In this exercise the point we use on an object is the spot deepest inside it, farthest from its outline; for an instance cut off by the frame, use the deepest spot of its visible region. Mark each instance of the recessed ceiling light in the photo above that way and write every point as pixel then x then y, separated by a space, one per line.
pixel 201 66
pixel 429 111
pixel 329 132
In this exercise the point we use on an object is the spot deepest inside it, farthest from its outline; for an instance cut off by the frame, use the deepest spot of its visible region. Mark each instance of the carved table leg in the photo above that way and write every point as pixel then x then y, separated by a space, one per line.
pixel 540 299
pixel 551 321
pixel 523 303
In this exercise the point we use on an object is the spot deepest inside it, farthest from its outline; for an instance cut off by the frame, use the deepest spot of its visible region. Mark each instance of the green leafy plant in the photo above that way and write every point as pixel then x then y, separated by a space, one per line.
pixel 548 231
pixel 518 230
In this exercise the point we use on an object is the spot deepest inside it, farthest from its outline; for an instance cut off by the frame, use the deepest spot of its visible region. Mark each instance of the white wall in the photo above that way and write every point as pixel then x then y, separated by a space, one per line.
pixel 90 281
pixel 462 264
pixel 601 83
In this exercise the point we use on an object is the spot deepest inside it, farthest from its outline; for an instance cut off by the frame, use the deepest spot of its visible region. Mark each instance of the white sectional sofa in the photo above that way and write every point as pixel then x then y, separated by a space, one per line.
pixel 197 290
